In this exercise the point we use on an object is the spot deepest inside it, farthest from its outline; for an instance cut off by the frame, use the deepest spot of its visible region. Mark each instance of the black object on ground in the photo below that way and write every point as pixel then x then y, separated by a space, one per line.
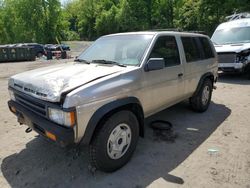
pixel 163 131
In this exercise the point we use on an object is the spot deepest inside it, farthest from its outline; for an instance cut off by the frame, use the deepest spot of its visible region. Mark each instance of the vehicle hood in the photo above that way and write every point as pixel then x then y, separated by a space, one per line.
pixel 237 48
pixel 50 82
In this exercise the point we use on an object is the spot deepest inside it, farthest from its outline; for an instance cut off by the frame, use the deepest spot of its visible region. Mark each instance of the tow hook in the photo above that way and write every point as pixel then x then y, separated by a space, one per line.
pixel 28 130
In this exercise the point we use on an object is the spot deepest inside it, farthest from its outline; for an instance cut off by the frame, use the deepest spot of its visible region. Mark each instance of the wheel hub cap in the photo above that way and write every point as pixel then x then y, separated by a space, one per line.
pixel 119 141
pixel 205 95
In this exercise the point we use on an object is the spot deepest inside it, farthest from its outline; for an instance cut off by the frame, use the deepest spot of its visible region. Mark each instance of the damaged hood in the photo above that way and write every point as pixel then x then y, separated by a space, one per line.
pixel 237 48
pixel 50 82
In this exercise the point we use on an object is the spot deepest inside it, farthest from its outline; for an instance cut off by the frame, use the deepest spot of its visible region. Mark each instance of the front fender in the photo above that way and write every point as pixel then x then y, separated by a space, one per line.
pixel 107 109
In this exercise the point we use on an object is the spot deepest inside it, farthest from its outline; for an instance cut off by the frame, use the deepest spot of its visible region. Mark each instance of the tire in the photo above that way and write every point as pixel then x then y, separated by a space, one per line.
pixel 121 129
pixel 248 76
pixel 39 54
pixel 200 102
pixel 248 72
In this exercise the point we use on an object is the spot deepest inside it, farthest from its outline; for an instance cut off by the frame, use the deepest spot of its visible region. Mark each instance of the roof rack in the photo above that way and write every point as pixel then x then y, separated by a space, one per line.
pixel 237 16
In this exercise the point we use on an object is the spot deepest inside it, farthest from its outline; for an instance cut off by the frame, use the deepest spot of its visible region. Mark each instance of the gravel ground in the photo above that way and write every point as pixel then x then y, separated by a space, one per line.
pixel 211 149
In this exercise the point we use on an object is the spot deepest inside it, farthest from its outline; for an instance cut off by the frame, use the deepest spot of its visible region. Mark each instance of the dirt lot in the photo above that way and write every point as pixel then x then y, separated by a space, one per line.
pixel 211 149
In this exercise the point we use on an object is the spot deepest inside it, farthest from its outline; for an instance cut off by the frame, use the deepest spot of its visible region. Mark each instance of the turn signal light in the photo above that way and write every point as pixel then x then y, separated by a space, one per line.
pixel 50 135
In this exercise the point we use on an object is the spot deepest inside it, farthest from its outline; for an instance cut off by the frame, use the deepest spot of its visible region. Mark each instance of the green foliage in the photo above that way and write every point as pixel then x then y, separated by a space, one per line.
pixel 45 20
pixel 107 22
pixel 31 21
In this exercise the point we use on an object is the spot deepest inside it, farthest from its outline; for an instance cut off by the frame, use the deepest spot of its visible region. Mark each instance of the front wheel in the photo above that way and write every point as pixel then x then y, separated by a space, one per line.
pixel 202 99
pixel 115 141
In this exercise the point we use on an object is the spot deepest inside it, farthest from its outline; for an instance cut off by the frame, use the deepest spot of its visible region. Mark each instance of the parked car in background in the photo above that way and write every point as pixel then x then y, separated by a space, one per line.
pixel 232 43
pixel 102 98
pixel 50 47
pixel 39 48
pixel 57 47
pixel 65 47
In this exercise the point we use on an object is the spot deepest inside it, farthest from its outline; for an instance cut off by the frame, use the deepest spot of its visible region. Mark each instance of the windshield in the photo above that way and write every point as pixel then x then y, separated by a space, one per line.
pixel 123 49
pixel 232 35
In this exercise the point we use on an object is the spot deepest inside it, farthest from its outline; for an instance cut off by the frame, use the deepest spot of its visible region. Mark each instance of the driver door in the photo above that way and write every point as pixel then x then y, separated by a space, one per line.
pixel 164 87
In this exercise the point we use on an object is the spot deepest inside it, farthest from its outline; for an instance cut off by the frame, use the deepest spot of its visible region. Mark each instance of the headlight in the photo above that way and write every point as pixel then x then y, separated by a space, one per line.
pixel 61 117
pixel 12 96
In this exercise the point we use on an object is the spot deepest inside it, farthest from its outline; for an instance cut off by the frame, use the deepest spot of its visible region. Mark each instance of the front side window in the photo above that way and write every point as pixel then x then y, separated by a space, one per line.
pixel 166 48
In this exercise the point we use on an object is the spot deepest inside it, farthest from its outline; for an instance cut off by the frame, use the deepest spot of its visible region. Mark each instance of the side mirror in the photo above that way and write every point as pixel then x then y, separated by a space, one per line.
pixel 154 64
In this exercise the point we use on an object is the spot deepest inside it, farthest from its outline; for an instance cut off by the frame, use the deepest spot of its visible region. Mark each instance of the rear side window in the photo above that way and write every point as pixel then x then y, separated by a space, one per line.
pixel 208 52
pixel 166 48
pixel 191 49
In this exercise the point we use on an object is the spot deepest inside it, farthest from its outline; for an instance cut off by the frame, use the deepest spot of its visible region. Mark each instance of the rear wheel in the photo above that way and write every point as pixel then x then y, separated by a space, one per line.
pixel 201 100
pixel 115 141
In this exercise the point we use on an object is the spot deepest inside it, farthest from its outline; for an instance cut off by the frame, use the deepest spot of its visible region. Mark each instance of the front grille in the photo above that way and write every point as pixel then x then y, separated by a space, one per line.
pixel 31 104
pixel 227 57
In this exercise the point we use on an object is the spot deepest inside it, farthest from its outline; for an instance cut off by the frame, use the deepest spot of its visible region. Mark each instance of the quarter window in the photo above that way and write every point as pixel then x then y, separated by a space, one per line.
pixel 208 52
pixel 166 48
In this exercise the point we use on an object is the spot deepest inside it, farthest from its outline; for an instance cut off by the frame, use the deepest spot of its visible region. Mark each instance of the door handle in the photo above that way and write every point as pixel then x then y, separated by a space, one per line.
pixel 180 74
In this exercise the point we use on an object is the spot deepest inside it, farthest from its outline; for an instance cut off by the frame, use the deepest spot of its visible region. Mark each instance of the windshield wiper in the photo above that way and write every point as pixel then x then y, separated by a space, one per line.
pixel 82 61
pixel 102 61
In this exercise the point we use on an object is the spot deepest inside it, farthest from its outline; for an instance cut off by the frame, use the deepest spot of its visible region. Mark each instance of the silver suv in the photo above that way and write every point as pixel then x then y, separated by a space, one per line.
pixel 102 98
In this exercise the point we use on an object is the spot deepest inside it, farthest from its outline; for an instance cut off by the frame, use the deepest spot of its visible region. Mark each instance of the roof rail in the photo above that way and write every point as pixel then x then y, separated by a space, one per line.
pixel 179 30
pixel 198 32
pixel 168 29
pixel 237 16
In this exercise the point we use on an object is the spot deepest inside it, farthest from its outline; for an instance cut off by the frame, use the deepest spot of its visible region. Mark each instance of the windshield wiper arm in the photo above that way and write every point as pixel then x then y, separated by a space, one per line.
pixel 82 61
pixel 102 61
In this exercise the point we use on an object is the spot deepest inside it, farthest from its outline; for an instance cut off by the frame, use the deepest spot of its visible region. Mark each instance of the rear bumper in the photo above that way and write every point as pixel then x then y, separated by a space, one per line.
pixel 63 136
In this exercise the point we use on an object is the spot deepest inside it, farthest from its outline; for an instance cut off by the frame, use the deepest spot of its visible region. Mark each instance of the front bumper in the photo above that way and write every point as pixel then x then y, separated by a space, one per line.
pixel 62 135
pixel 231 66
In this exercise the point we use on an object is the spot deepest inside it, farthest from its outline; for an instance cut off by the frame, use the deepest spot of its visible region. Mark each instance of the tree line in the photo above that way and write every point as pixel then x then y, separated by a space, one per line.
pixel 45 21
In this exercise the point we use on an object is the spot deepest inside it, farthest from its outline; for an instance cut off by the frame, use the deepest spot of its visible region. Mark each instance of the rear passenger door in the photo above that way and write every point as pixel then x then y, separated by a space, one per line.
pixel 199 59
pixel 166 86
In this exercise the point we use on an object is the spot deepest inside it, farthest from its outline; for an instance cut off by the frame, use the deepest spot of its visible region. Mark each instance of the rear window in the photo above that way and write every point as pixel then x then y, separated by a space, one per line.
pixel 191 49
pixel 208 52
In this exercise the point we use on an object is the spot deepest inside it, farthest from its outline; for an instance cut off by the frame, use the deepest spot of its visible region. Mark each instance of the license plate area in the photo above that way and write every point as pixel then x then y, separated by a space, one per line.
pixel 22 119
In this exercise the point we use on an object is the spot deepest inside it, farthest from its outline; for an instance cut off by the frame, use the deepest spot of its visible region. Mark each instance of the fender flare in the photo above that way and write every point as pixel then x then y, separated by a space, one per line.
pixel 107 109
pixel 203 77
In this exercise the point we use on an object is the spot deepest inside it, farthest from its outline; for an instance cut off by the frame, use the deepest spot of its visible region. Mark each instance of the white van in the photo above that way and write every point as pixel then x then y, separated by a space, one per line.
pixel 232 43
